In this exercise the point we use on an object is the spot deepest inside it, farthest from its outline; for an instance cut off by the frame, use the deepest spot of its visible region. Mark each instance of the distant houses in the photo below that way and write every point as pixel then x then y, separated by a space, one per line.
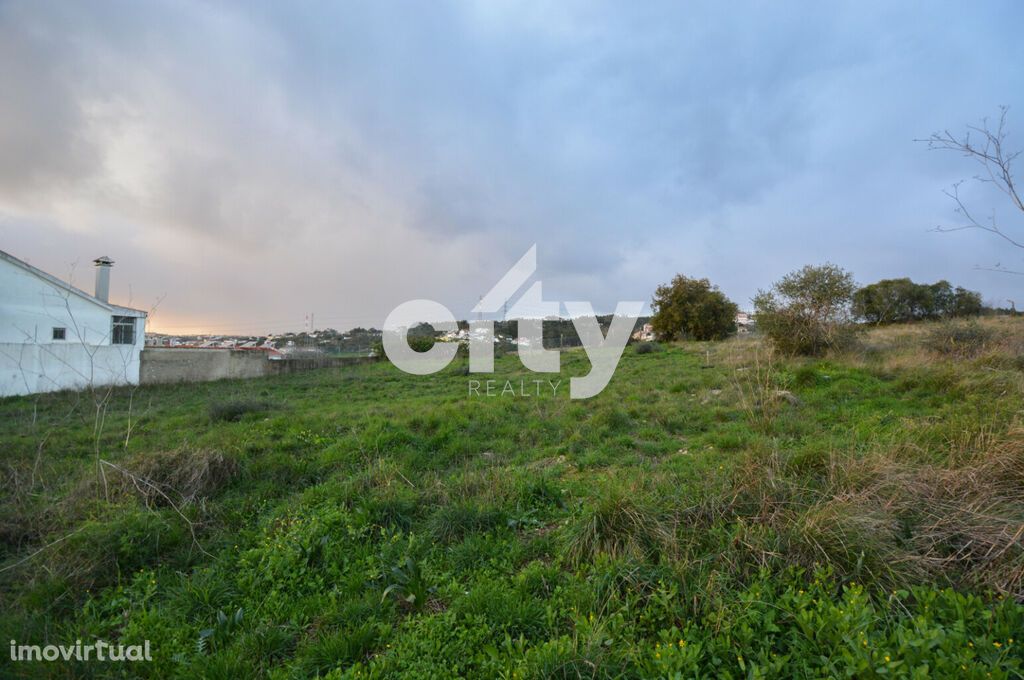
pixel 645 334
pixel 745 323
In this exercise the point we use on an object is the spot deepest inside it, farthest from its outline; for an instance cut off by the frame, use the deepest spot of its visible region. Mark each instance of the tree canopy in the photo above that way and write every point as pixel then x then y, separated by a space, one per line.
pixel 693 309
pixel 902 300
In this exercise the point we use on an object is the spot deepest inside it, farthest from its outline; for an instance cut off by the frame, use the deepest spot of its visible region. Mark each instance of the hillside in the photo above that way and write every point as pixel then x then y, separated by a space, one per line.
pixel 714 512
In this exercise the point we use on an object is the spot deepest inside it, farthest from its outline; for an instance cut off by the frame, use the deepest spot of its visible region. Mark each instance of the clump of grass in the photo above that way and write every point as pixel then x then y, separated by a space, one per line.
pixel 619 524
pixel 647 348
pixel 761 390
pixel 613 418
pixel 584 655
pixel 234 410
pixel 394 507
pixel 971 516
pixel 338 649
pixel 504 608
pixel 539 492
pixel 805 376
pixel 959 340
pixel 859 540
pixel 452 523
pixel 270 644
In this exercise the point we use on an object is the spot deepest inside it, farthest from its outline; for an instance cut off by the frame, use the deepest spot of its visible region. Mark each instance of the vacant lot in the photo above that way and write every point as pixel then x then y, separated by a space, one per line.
pixel 714 512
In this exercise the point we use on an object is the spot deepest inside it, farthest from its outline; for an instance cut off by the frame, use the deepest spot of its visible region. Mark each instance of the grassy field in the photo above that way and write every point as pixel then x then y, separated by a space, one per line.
pixel 714 512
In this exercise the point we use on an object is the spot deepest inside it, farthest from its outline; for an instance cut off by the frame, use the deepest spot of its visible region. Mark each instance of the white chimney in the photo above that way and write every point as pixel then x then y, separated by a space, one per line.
pixel 103 265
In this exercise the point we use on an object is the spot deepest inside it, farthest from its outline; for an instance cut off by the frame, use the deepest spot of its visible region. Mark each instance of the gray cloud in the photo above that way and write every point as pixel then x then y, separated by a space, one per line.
pixel 255 162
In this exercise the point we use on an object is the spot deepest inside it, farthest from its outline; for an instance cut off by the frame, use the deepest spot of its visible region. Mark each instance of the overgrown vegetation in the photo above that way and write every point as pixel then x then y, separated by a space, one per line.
pixel 720 510
pixel 962 340
pixel 647 347
pixel 808 311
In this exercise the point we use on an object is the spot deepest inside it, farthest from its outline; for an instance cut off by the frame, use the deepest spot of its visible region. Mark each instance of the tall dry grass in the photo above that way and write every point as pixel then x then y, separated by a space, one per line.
pixel 881 517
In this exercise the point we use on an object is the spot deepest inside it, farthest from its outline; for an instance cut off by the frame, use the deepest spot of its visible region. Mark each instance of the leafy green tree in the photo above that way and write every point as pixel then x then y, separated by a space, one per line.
pixel 692 308
pixel 966 303
pixel 808 311
pixel 902 300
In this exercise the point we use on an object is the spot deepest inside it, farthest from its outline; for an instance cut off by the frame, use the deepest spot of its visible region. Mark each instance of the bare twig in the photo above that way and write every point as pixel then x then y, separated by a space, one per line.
pixel 987 148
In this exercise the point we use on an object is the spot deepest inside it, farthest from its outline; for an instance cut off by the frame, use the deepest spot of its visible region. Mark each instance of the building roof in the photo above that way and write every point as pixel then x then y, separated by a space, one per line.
pixel 64 285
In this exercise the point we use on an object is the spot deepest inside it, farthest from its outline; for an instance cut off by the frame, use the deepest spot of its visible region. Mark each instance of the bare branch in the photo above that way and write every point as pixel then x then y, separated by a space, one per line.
pixel 987 148
pixel 999 268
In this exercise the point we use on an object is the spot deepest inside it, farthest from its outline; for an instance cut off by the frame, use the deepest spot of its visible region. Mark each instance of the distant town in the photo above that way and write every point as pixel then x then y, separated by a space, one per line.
pixel 329 342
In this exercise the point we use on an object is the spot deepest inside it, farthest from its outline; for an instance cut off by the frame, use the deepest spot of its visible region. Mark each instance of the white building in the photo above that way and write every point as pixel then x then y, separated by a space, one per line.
pixel 54 336
pixel 645 334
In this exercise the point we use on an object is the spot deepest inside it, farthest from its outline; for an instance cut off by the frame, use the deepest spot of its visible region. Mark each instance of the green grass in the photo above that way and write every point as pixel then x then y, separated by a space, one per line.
pixel 686 522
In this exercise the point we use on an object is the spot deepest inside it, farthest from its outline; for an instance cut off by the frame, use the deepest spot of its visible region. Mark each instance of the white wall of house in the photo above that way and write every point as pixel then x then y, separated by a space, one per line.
pixel 33 360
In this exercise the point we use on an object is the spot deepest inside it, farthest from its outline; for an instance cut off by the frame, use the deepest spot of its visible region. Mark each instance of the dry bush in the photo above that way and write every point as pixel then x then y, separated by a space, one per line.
pixel 161 478
pixel 1005 352
pixel 23 519
pixel 960 340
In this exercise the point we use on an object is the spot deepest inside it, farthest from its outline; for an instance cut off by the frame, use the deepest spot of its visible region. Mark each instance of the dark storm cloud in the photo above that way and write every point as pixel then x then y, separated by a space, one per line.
pixel 260 159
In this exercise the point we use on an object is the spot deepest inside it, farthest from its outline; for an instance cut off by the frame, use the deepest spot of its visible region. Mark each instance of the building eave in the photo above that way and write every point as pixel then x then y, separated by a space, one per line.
pixel 64 285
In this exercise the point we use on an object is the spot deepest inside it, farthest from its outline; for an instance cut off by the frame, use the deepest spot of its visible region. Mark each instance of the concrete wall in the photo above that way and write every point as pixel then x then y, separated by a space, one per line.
pixel 180 364
pixel 299 365
pixel 173 364
pixel 32 361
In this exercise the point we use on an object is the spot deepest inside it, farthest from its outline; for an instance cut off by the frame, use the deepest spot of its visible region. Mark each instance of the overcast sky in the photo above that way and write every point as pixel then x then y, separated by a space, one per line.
pixel 247 165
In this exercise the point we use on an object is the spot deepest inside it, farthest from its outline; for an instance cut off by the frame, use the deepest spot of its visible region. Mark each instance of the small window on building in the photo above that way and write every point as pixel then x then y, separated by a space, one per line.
pixel 123 332
pixel 59 333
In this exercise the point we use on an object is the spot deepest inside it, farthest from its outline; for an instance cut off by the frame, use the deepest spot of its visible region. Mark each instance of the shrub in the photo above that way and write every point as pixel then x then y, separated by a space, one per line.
pixel 647 348
pixel 959 340
pixel 233 410
pixel 692 308
pixel 421 343
pixel 808 311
